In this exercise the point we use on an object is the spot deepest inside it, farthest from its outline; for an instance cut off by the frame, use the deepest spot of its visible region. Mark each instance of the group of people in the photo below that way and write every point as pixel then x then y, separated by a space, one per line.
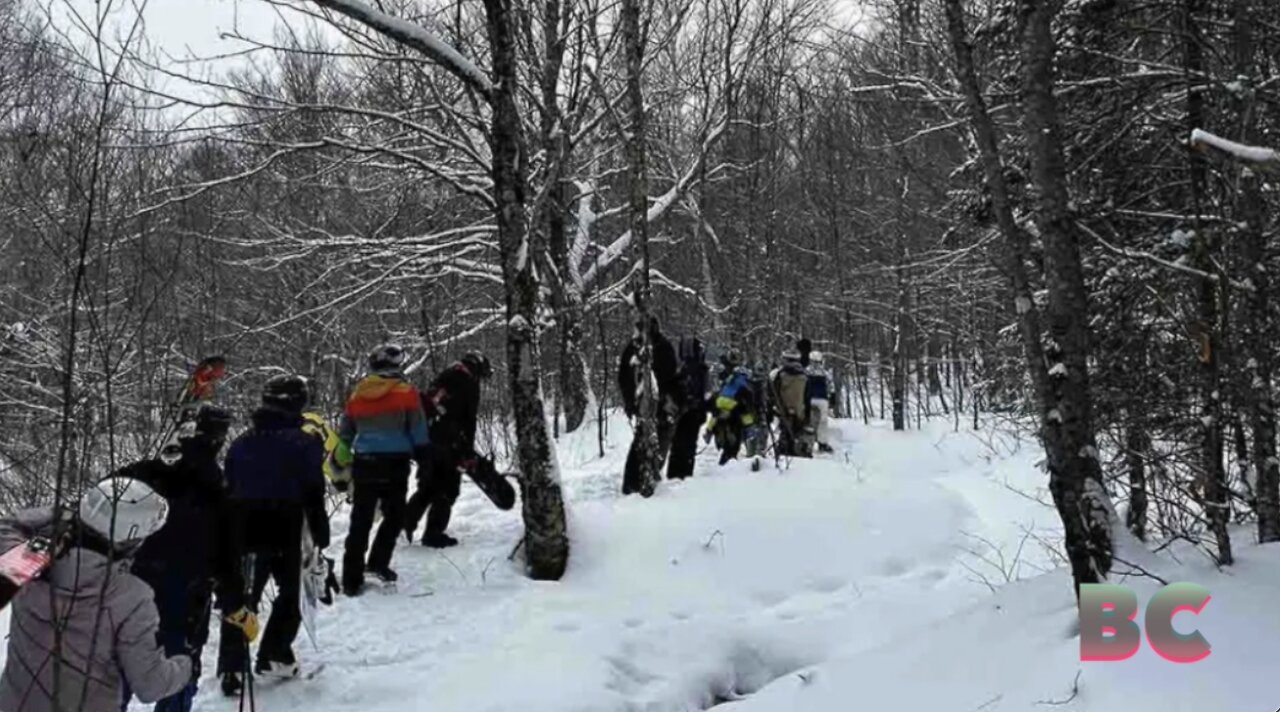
pixel 124 610
pixel 739 407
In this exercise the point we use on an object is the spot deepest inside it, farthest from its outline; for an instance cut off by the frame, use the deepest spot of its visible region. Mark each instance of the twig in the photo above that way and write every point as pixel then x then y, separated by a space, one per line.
pixel 1138 570
pixel 988 703
pixel 485 570
pixel 1075 690
pixel 712 538
pixel 455 568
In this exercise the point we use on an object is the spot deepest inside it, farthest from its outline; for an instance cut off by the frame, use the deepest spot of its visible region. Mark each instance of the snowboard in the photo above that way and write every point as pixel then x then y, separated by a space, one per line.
pixel 313 582
pixel 494 484
pixel 22 563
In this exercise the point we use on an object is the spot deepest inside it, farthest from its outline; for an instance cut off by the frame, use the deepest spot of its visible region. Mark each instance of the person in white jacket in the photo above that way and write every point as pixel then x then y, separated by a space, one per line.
pixel 107 616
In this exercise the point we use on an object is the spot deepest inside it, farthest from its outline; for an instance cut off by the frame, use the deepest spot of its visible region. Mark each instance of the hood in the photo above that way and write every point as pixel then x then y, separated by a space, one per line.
pixel 82 572
pixel 270 417
pixel 374 387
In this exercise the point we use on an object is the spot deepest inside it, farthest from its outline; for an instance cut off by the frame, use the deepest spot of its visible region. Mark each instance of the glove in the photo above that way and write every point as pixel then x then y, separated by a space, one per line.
pixel 342 485
pixel 247 621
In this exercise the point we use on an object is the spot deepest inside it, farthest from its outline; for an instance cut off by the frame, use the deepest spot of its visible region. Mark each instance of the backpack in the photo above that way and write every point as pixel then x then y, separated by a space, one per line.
pixel 792 387
pixel 693 368
pixel 730 392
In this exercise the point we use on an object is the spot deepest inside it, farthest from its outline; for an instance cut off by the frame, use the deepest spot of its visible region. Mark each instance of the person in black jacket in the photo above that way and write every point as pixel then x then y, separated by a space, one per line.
pixel 276 485
pixel 452 403
pixel 666 372
pixel 193 552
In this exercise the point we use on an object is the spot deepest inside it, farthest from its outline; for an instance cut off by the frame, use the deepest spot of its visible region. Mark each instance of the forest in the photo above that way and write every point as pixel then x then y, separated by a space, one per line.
pixel 1052 212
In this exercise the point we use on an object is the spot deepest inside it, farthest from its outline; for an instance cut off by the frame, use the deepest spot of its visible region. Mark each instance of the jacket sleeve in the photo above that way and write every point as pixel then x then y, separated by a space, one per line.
pixel 346 438
pixel 416 423
pixel 150 673
pixel 22 525
pixel 313 492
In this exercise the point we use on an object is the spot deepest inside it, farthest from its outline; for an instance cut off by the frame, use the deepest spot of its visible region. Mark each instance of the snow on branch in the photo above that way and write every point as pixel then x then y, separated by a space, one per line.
pixel 659 207
pixel 1252 154
pixel 414 36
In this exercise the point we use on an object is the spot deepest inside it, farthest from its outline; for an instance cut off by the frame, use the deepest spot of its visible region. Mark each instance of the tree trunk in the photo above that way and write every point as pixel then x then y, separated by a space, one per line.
pixel 546 537
pixel 650 457
pixel 1137 444
pixel 1213 476
pixel 1075 477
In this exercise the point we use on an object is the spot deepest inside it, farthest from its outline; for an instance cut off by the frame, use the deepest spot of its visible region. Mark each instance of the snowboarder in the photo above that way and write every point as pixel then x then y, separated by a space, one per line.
pixel 192 552
pixel 734 411
pixel 691 406
pixel 818 391
pixel 791 405
pixel 665 370
pixel 275 480
pixel 383 430
pixel 107 624
pixel 452 404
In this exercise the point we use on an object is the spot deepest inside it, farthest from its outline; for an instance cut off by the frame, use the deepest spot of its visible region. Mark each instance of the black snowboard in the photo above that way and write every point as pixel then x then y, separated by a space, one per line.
pixel 493 484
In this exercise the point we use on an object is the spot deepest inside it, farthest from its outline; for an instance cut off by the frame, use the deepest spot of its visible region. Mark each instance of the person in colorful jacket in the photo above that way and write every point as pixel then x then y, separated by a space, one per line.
pixel 382 432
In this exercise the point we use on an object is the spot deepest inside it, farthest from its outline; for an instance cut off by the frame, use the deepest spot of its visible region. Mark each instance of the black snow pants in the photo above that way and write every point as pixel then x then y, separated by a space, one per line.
pixel 438 487
pixel 684 443
pixel 376 482
pixel 273 539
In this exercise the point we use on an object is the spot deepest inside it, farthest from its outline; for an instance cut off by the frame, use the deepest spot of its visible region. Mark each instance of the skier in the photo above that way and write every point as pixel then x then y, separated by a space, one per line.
pixel 452 403
pixel 274 473
pixel 87 628
pixel 192 551
pixel 791 405
pixel 665 371
pixel 383 430
pixel 818 391
pixel 691 406
pixel 734 410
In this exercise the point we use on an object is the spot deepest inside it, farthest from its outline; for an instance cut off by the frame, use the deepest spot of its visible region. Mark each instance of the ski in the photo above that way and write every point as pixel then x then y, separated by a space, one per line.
pixel 196 390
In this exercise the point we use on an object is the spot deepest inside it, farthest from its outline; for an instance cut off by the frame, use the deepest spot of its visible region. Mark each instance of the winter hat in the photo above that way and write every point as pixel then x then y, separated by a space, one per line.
pixel 123 511
pixel 478 364
pixel 387 360
pixel 288 392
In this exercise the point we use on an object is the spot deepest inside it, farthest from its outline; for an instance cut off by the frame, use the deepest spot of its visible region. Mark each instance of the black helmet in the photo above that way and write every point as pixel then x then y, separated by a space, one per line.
pixel 387 359
pixel 289 392
pixel 212 422
pixel 478 364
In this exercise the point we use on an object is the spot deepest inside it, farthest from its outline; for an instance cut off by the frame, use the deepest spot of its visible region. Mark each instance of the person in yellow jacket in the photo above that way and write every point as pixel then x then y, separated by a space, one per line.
pixel 338 475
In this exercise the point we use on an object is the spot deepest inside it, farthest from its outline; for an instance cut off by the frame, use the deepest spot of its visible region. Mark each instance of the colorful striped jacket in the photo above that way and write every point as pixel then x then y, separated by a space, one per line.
pixel 383 416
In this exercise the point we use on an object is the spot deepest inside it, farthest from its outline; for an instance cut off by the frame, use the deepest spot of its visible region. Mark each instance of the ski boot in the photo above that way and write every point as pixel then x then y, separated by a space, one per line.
pixel 276 668
pixel 438 540
pixel 232 684
pixel 384 574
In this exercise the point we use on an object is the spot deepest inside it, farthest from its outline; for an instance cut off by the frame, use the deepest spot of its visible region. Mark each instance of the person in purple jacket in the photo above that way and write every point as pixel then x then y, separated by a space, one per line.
pixel 275 483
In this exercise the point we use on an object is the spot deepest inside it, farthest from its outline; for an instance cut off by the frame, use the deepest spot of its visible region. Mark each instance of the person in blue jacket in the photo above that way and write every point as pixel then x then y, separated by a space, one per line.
pixel 275 482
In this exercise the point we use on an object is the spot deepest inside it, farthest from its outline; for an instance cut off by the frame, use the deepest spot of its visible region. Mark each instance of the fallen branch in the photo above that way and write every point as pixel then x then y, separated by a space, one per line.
pixel 1075 690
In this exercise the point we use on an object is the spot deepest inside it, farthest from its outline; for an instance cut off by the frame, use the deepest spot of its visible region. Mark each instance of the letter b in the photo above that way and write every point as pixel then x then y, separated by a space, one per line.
pixel 1107 628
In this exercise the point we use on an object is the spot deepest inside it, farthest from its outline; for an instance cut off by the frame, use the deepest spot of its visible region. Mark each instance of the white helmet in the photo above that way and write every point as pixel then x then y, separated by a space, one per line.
pixel 123 511
pixel 815 357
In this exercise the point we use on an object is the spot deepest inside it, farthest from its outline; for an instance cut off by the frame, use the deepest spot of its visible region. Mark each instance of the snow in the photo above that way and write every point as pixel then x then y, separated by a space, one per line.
pixel 1253 154
pixel 912 571
pixel 412 35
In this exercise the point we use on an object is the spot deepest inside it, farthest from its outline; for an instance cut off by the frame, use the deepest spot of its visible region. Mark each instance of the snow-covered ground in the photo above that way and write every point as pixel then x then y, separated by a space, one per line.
pixel 903 572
